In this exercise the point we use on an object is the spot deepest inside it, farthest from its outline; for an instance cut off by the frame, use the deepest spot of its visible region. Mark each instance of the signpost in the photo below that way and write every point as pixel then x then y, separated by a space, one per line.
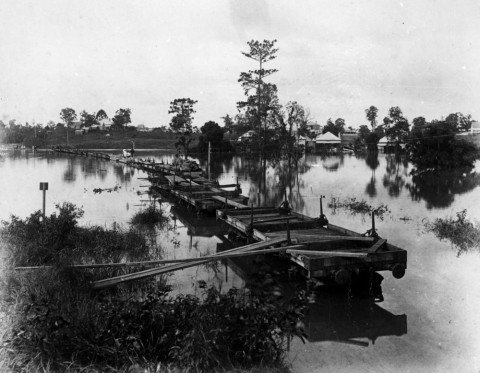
pixel 44 187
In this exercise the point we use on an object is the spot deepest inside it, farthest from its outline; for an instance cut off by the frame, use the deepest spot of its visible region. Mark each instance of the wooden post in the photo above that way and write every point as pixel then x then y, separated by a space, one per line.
pixel 249 236
pixel 251 214
pixel 373 232
pixel 44 188
pixel 288 233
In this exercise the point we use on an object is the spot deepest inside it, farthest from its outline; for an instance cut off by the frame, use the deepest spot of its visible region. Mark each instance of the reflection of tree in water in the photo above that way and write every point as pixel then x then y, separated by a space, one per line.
pixel 94 167
pixel 396 172
pixel 123 173
pixel 438 188
pixel 372 162
pixel 221 163
pixel 270 184
pixel 70 175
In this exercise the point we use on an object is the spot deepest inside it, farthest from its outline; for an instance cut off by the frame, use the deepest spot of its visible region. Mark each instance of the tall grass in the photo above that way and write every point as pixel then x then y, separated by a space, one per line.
pixel 57 322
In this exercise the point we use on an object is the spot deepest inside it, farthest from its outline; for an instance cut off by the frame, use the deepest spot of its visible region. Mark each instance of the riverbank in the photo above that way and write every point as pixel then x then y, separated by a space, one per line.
pixel 57 322
pixel 107 140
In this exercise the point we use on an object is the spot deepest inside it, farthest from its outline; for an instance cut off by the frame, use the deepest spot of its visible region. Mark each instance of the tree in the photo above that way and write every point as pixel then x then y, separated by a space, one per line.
pixel 87 119
pixel 259 104
pixel 336 127
pixel 228 123
pixel 371 114
pixel 459 121
pixel 2 125
pixel 181 122
pixel 396 125
pixel 419 123
pixel 212 133
pixel 363 131
pixel 435 146
pixel 122 118
pixel 68 115
pixel 295 119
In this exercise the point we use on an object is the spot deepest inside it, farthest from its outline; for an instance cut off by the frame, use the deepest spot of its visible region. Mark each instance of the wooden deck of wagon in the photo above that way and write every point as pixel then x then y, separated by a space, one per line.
pixel 329 250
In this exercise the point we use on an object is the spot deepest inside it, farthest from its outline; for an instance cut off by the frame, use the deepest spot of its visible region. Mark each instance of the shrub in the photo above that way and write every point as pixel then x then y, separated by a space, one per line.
pixel 461 232
pixel 151 215
pixel 58 323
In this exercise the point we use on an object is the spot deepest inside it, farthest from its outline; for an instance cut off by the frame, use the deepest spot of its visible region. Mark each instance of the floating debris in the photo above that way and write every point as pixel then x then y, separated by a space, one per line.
pixel 359 207
pixel 109 190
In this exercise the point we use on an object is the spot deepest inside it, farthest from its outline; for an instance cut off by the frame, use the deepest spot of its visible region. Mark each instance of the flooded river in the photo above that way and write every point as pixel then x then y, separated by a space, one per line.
pixel 428 321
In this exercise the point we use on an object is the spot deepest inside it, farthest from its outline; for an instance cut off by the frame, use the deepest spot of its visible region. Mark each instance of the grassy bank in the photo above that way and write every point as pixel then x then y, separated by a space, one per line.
pixel 56 322
pixel 99 139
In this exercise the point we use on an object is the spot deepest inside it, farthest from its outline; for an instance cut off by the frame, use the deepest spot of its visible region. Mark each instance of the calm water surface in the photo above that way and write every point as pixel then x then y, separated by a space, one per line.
pixel 429 320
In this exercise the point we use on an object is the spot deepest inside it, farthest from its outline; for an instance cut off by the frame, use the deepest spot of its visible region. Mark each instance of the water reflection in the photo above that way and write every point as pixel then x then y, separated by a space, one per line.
pixel 395 175
pixel 371 160
pixel 70 175
pixel 333 314
pixel 438 189
pixel 342 318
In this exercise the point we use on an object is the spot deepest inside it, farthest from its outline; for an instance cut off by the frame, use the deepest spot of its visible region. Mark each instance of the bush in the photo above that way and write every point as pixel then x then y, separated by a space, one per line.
pixel 58 323
pixel 151 215
pixel 461 232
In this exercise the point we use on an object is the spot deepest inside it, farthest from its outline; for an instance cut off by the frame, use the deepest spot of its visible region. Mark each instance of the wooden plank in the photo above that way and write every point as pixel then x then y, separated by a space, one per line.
pixel 321 238
pixel 228 201
pixel 109 282
pixel 377 246
pixel 178 179
pixel 328 253
pixel 256 210
pixel 228 186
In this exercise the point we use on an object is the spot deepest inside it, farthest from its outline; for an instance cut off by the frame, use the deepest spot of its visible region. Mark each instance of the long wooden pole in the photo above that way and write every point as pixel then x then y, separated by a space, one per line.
pixel 170 261
pixel 109 282
pixel 327 253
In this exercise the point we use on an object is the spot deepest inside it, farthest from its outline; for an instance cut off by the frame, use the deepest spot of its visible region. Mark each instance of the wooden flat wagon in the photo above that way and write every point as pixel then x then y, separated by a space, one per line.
pixel 327 250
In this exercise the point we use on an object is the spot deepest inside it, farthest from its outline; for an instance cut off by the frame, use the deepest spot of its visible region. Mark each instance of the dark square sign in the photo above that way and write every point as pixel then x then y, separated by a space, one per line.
pixel 43 186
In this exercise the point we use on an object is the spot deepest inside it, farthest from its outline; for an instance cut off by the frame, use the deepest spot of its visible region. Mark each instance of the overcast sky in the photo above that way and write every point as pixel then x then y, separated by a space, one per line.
pixel 335 57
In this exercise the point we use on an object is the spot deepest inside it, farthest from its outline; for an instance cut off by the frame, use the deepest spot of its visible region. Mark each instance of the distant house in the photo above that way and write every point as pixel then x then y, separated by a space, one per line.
pixel 315 128
pixel 348 138
pixel 301 140
pixel 142 128
pixel 327 142
pixel 104 124
pixel 247 136
pixel 80 131
pixel 76 125
pixel 386 145
pixel 475 128
pixel 95 127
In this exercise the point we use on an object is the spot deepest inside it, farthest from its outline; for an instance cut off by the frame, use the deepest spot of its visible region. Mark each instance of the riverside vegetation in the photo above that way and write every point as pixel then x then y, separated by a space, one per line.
pixel 56 322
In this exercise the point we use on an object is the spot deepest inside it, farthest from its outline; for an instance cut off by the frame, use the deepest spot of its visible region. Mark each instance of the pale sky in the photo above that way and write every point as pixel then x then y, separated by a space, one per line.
pixel 335 57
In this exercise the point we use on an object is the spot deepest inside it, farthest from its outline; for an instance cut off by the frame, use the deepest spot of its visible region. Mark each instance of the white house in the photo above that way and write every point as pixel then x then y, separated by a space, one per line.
pixel 475 128
pixel 105 124
pixel 142 128
pixel 327 141
pixel 385 144
pixel 246 136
